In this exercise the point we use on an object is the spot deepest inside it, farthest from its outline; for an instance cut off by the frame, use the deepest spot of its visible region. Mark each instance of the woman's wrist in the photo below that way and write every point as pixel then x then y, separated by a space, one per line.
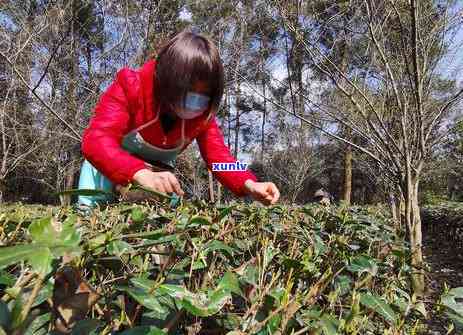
pixel 248 185
pixel 140 174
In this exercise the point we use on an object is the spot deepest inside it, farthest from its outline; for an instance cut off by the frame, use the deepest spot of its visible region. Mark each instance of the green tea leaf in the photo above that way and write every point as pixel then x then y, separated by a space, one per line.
pixel 6 278
pixel 379 306
pixel 144 330
pixel 5 315
pixel 84 192
pixel 69 236
pixel 43 232
pixel 251 275
pixel 85 327
pixel 144 298
pixel 319 246
pixel 137 215
pixel 41 260
pixel 230 283
pixel 218 246
pixel 163 303
pixel 117 248
pixel 16 311
pixel 457 320
pixel 362 264
pixel 44 294
pixel 328 325
pixel 15 254
pixel 198 304
pixel 39 325
pixel 143 283
pixel 449 300
pixel 457 292
pixel 278 293
pixel 225 212
pixel 199 221
pixel 343 283
pixel 59 237
pixel 97 243
pixel 269 253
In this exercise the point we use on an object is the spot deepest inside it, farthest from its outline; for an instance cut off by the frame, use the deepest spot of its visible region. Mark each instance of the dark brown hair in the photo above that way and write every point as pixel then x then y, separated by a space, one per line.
pixel 183 60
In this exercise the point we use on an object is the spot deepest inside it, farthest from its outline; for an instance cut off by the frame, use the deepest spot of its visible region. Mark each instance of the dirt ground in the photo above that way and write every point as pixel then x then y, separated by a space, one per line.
pixel 444 254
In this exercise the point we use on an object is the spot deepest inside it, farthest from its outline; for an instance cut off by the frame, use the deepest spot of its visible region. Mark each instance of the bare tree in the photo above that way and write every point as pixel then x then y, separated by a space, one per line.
pixel 292 167
pixel 396 96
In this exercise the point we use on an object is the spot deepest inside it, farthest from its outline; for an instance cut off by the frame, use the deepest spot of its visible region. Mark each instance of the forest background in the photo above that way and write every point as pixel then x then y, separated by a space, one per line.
pixel 284 62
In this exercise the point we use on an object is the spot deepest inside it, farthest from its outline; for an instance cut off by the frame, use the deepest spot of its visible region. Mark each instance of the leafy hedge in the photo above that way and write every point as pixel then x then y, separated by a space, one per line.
pixel 199 269
pixel 444 219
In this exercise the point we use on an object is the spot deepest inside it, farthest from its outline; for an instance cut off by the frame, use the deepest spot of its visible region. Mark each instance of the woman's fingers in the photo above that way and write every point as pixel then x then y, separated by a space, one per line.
pixel 175 184
pixel 158 185
pixel 269 194
pixel 166 183
pixel 161 184
pixel 276 193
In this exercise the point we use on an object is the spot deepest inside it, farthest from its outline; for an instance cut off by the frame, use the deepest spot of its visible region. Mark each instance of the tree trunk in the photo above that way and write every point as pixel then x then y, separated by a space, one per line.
pixel 2 190
pixel 394 211
pixel 413 223
pixel 228 109
pixel 219 192
pixel 211 186
pixel 237 127
pixel 237 90
pixel 69 183
pixel 347 194
pixel 347 189
pixel 68 169
pixel 262 135
pixel 401 210
pixel 195 184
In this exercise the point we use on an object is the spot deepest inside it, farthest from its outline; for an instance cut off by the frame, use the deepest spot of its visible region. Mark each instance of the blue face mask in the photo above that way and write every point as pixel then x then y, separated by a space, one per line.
pixel 195 104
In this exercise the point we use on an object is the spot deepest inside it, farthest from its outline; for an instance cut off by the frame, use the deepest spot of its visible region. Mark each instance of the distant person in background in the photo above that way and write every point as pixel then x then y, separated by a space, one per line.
pixel 322 197
pixel 148 116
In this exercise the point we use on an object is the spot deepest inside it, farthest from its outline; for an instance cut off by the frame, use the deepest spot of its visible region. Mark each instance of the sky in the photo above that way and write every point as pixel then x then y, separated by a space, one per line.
pixel 452 64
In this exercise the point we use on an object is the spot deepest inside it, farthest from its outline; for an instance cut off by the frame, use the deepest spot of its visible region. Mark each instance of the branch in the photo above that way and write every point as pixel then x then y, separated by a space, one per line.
pixel 350 124
pixel 122 35
pixel 367 152
pixel 77 136
pixel 394 159
pixel 441 111
pixel 391 77
pixel 51 58
pixel 417 74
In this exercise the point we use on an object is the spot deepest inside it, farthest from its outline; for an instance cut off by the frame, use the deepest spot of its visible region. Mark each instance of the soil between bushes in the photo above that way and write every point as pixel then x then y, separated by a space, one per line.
pixel 443 251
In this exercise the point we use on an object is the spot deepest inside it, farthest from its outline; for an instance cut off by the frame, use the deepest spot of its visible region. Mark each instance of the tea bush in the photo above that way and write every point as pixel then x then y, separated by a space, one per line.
pixel 204 269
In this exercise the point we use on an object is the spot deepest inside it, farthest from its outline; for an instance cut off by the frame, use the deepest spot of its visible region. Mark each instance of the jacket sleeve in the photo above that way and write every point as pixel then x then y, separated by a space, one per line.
pixel 213 150
pixel 101 141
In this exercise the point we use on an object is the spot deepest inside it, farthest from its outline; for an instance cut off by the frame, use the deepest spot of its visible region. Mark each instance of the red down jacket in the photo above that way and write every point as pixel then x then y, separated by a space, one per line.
pixel 127 104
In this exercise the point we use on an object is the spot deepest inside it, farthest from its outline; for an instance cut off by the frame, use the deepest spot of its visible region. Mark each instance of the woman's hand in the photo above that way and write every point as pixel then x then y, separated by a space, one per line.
pixel 265 192
pixel 164 181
